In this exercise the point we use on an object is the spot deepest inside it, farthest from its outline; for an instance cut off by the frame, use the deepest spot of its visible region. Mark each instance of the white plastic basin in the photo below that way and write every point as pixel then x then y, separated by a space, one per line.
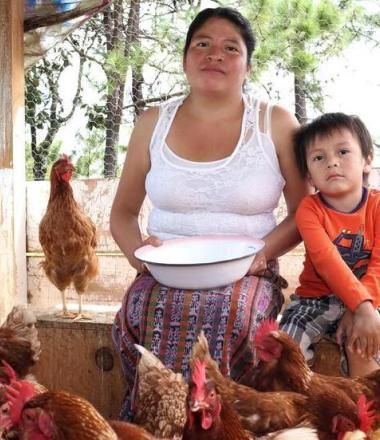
pixel 202 262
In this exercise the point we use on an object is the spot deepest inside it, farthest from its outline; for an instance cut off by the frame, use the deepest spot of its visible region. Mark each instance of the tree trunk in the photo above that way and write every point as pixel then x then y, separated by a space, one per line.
pixel 137 95
pixel 300 99
pixel 115 98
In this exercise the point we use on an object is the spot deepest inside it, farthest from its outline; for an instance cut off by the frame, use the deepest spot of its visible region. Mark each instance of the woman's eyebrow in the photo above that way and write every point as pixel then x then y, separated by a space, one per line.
pixel 199 36
pixel 205 36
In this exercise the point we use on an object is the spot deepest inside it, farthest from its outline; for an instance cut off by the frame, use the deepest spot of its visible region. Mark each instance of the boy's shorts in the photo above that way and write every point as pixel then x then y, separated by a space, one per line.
pixel 308 320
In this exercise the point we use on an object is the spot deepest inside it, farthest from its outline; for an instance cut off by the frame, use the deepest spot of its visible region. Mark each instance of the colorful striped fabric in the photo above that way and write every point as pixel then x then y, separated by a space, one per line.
pixel 167 321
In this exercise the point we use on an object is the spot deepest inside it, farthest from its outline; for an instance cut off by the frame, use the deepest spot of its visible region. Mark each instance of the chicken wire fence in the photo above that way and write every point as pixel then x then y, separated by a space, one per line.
pixel 84 95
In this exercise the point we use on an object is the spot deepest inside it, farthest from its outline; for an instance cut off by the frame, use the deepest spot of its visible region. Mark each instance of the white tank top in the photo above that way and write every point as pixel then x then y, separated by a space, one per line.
pixel 234 195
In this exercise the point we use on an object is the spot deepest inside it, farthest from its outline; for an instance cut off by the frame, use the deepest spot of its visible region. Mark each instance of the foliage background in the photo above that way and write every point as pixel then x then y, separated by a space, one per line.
pixel 83 97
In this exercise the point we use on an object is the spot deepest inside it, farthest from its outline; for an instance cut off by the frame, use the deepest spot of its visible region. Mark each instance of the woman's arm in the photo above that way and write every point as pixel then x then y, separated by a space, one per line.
pixel 285 235
pixel 130 193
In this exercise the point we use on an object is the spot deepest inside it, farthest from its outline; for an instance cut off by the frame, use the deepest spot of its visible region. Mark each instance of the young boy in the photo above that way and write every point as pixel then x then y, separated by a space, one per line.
pixel 340 225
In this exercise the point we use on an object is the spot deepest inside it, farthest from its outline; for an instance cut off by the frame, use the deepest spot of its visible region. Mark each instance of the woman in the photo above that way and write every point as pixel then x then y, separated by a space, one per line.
pixel 215 161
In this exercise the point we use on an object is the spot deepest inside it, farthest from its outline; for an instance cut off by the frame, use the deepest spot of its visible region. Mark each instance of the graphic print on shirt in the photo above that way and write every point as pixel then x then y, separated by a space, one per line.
pixel 351 249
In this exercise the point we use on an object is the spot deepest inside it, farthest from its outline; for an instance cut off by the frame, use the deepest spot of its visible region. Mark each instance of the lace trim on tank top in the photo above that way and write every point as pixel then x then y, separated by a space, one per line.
pixel 173 159
pixel 249 128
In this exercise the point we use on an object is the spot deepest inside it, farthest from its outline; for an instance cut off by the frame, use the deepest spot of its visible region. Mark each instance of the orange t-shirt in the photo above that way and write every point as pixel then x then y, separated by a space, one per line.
pixel 342 250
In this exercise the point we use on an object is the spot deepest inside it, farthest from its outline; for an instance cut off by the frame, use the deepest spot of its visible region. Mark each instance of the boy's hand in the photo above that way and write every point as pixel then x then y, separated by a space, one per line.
pixel 365 336
pixel 344 327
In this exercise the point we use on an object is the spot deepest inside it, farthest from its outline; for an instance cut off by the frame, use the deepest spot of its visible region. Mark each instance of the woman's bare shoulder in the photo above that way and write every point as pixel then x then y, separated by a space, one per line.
pixel 284 125
pixel 281 117
pixel 148 118
pixel 143 129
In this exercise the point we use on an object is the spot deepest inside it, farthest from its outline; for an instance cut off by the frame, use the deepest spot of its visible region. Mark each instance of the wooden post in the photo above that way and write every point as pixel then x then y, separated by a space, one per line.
pixel 12 156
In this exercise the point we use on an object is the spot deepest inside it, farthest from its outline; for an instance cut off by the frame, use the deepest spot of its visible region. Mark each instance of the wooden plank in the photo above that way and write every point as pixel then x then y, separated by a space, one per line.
pixel 115 275
pixel 79 357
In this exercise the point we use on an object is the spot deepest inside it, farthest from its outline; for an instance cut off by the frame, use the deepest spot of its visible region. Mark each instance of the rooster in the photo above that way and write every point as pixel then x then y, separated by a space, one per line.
pixel 282 366
pixel 67 237
pixel 161 397
pixel 210 417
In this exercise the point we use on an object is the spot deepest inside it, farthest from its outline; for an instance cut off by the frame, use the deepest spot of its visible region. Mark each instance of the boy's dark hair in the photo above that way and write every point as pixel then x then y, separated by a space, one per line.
pixel 324 126
pixel 229 14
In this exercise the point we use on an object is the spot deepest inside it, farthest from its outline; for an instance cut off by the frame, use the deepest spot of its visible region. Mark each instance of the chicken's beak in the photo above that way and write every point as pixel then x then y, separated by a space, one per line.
pixel 198 405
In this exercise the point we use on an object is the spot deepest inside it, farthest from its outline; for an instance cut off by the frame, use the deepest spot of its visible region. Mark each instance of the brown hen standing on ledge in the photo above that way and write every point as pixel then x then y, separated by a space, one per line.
pixel 67 237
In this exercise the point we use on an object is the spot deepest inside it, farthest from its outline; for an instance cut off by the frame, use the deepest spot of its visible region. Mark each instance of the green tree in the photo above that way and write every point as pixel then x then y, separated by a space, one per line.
pixel 45 112
pixel 88 159
pixel 51 157
pixel 296 36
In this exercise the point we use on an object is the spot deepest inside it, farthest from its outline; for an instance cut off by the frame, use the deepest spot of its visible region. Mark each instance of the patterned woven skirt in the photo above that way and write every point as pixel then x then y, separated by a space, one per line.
pixel 167 321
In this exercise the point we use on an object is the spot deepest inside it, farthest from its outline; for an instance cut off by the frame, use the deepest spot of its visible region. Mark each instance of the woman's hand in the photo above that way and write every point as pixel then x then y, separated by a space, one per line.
pixel 259 264
pixel 153 241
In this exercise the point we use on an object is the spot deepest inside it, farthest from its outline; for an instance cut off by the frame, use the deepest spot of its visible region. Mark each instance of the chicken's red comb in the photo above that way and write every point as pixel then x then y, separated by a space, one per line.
pixel 199 373
pixel 17 394
pixel 265 327
pixel 64 156
pixel 9 371
pixel 366 414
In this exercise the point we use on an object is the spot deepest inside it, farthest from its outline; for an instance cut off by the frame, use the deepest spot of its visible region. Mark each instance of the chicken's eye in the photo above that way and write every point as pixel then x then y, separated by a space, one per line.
pixel 212 395
pixel 28 416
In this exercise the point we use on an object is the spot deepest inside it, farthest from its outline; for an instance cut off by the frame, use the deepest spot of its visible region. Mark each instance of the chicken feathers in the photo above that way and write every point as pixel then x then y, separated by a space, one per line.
pixel 161 397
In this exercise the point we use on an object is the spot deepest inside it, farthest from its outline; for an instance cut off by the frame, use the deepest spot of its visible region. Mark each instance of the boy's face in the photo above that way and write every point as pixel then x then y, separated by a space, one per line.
pixel 336 164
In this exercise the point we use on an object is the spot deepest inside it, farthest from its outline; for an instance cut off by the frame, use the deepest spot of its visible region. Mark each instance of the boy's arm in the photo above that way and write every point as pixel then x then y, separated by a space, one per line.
pixel 372 277
pixel 326 259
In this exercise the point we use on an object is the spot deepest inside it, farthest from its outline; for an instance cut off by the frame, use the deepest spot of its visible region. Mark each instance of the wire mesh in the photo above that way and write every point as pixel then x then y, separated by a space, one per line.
pixel 84 96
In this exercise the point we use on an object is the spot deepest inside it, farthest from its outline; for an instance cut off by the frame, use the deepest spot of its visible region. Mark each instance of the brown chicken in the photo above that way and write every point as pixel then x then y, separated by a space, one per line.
pixel 129 431
pixel 283 366
pixel 260 413
pixel 13 396
pixel 62 415
pixel 19 343
pixel 265 412
pixel 67 237
pixel 209 417
pixel 161 397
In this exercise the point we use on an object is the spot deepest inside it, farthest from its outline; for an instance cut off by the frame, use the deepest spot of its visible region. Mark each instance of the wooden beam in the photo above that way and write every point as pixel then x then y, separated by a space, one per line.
pixel 12 146
pixel 11 78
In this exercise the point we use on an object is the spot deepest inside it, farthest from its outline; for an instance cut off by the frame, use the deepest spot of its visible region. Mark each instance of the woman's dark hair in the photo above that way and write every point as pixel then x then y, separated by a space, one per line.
pixel 324 126
pixel 229 14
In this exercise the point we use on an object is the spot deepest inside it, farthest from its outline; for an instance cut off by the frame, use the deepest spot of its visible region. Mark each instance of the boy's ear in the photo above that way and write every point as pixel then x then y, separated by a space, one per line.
pixel 310 181
pixel 367 166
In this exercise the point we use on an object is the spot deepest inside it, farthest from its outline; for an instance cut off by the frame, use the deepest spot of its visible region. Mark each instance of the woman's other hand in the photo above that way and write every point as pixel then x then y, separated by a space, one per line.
pixel 259 264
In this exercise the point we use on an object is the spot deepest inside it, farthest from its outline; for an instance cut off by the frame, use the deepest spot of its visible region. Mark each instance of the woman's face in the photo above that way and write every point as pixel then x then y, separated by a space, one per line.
pixel 216 60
